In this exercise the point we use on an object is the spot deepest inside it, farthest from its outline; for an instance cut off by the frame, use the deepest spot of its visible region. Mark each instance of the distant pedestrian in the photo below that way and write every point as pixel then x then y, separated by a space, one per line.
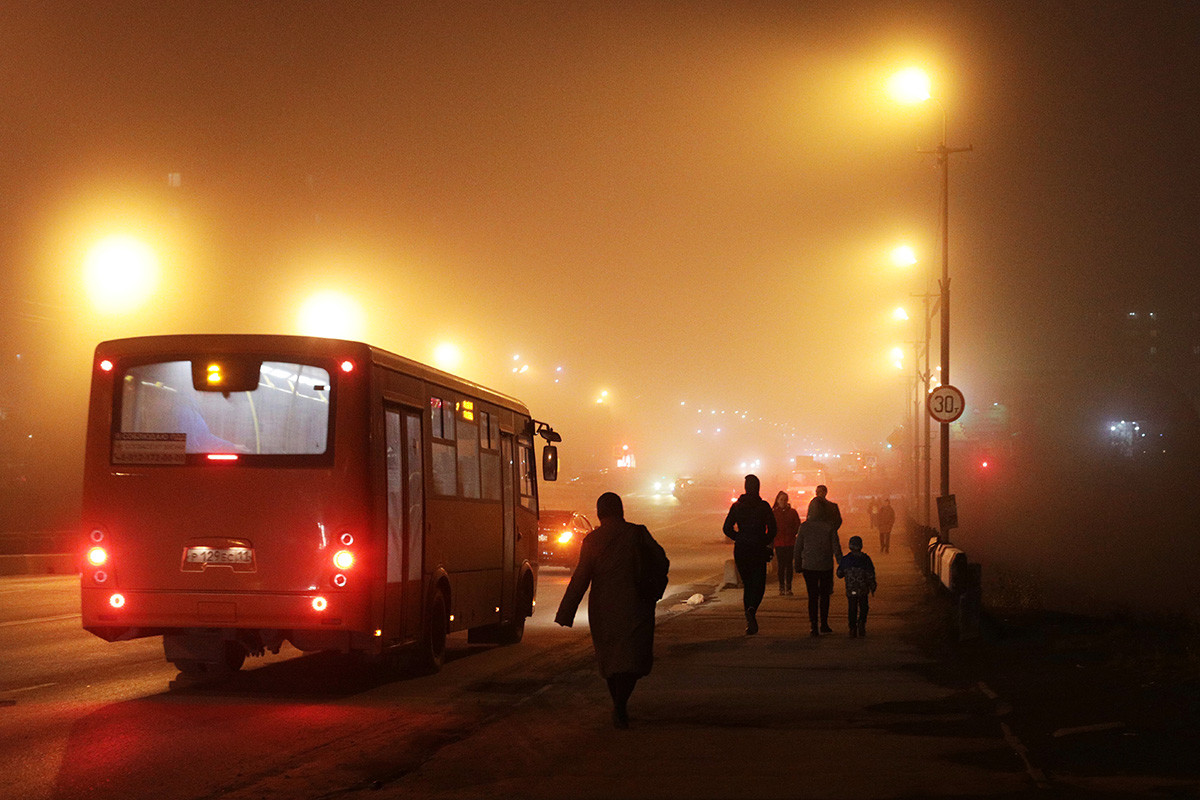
pixel 620 613
pixel 750 523
pixel 817 549
pixel 787 523
pixel 859 572
pixel 873 512
pixel 887 519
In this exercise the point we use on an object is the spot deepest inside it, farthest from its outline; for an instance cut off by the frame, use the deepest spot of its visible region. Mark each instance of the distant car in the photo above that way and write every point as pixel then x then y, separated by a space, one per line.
pixel 559 535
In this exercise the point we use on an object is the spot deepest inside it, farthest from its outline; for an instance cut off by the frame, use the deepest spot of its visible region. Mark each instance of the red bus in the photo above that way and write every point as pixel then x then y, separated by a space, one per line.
pixel 242 491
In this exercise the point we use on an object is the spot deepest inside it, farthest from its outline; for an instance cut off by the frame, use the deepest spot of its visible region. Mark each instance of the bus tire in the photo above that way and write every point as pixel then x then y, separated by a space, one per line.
pixel 513 632
pixel 433 638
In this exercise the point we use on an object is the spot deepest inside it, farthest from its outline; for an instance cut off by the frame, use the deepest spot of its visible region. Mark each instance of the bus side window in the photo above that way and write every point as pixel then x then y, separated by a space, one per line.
pixel 525 475
pixel 489 459
pixel 444 449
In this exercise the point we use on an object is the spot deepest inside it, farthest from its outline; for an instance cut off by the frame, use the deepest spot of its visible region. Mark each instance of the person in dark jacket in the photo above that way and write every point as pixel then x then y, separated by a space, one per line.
pixel 787 523
pixel 859 571
pixel 822 509
pixel 620 616
pixel 750 523
pixel 886 518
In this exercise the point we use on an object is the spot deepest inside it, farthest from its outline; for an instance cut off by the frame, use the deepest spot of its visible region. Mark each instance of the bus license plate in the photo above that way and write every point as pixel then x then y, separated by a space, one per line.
pixel 196 559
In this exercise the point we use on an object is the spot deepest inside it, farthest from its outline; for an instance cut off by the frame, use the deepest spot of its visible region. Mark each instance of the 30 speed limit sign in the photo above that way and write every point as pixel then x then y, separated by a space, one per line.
pixel 945 403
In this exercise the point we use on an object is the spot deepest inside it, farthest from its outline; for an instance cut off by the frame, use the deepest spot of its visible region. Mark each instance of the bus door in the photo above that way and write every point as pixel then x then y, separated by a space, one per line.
pixel 508 492
pixel 406 522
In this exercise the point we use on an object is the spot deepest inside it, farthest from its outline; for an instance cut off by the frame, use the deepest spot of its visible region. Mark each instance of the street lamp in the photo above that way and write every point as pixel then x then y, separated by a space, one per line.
pixel 913 86
pixel 120 273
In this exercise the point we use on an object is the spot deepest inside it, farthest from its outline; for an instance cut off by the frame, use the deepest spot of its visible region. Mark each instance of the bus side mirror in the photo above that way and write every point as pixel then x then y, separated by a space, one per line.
pixel 550 463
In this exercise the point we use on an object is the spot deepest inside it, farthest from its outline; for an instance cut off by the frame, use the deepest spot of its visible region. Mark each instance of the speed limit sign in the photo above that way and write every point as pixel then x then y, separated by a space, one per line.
pixel 945 403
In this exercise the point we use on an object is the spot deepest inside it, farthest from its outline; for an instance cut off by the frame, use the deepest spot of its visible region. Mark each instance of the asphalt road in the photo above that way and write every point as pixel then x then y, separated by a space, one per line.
pixel 84 718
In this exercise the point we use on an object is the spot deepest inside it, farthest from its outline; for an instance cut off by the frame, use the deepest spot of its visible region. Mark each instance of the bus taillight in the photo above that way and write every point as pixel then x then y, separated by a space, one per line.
pixel 106 365
pixel 222 457
pixel 343 559
pixel 347 366
pixel 320 604
pixel 116 600
pixel 97 556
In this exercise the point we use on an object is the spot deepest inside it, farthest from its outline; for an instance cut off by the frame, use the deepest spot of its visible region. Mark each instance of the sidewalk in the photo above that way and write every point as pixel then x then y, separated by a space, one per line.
pixel 777 715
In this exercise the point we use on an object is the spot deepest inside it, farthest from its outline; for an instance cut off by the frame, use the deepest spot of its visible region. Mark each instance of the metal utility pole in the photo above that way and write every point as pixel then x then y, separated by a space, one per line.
pixel 943 153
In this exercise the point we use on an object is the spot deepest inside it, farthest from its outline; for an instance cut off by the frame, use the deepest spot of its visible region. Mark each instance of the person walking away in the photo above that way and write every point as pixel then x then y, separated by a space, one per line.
pixel 750 523
pixel 858 571
pixel 817 548
pixel 887 518
pixel 823 509
pixel 787 523
pixel 620 612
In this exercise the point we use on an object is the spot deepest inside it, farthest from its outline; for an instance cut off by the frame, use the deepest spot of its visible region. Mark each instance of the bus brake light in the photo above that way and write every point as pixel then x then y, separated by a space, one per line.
pixel 97 556
pixel 116 600
pixel 343 559
pixel 320 604
pixel 222 457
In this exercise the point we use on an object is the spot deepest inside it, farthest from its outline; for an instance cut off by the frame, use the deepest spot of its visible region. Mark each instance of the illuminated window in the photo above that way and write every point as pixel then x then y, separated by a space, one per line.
pixel 286 412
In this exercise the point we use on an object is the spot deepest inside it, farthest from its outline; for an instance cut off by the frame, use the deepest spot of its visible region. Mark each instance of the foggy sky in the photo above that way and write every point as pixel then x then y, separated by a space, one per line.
pixel 676 202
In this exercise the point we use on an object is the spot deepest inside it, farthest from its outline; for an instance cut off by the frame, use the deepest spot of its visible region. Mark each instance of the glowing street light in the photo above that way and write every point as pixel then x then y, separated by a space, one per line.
pixel 904 256
pixel 900 315
pixel 911 85
pixel 447 356
pixel 120 273
pixel 331 314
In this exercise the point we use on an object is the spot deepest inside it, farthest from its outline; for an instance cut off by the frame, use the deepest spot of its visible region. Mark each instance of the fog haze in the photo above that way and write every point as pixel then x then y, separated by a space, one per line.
pixel 690 206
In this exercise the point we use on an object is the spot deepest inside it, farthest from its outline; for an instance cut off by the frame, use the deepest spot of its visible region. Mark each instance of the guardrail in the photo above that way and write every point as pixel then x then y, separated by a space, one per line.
pixel 962 579
pixel 39 552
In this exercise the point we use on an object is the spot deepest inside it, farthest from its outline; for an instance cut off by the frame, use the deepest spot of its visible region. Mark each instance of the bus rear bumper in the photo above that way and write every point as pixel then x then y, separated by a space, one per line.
pixel 125 614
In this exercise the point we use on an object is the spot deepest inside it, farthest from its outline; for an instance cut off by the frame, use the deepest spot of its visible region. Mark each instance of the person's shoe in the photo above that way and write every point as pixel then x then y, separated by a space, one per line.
pixel 751 623
pixel 862 630
pixel 826 629
pixel 816 634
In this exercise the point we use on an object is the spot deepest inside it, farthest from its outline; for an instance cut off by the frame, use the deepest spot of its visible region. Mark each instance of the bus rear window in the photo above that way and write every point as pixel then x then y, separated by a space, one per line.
pixel 162 417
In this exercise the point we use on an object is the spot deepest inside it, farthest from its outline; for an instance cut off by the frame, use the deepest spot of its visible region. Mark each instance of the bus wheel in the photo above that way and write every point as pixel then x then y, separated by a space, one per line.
pixel 433 641
pixel 514 631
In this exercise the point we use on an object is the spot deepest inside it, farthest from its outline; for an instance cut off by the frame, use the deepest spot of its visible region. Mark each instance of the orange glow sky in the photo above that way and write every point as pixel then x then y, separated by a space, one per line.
pixel 676 202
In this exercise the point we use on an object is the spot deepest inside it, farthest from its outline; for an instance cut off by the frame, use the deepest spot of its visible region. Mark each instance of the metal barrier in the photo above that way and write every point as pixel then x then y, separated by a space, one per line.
pixel 963 580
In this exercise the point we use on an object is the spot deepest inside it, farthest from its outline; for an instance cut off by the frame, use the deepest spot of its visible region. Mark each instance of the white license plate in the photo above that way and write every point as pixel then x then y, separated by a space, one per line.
pixel 241 559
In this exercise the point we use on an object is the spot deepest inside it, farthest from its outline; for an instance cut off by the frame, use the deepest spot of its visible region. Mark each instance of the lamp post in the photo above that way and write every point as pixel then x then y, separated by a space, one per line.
pixel 913 86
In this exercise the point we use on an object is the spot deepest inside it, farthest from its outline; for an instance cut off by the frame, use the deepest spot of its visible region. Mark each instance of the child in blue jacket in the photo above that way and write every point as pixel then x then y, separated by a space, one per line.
pixel 859 572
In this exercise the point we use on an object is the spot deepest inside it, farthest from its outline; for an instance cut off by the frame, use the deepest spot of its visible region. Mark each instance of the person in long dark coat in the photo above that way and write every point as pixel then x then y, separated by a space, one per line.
pixel 750 523
pixel 621 619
